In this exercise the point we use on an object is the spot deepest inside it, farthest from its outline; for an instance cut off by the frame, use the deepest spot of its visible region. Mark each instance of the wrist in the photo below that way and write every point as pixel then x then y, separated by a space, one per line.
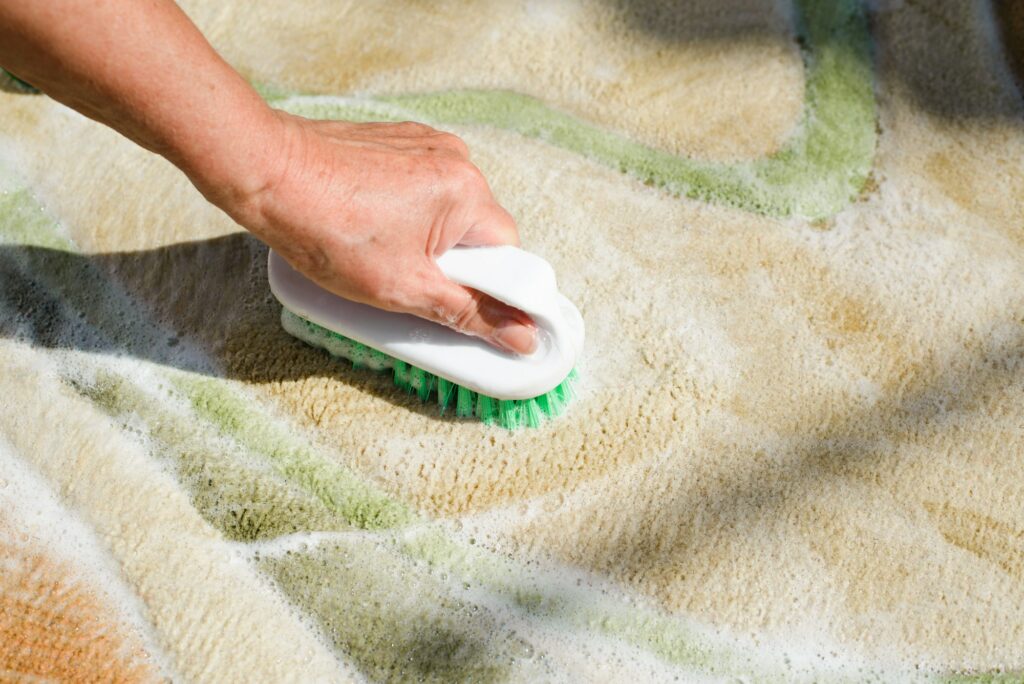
pixel 238 158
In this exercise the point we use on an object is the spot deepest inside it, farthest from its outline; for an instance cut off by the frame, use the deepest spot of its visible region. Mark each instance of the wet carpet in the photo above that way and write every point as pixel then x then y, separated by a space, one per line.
pixel 796 233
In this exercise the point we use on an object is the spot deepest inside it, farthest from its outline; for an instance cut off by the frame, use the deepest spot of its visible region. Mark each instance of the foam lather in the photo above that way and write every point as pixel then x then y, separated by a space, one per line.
pixel 509 274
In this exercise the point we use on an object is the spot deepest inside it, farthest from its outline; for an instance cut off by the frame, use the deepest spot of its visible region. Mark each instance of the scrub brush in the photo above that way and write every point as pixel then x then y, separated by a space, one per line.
pixel 463 374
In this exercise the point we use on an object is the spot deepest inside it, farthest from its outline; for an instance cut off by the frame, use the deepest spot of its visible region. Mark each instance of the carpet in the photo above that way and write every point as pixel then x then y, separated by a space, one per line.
pixel 795 230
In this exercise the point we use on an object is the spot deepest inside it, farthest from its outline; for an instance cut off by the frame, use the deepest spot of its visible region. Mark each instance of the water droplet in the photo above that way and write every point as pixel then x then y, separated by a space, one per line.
pixel 420 334
pixel 521 650
pixel 554 503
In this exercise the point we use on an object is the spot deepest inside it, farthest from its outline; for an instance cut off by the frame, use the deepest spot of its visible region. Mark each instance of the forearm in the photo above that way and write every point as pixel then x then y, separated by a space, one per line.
pixel 143 68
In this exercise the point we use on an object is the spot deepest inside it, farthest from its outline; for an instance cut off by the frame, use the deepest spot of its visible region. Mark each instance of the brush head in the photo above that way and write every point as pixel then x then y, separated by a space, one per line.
pixel 451 398
pixel 518 278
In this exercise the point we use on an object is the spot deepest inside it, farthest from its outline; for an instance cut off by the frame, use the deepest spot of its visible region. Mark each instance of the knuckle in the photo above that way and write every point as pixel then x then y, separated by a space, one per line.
pixel 466 177
pixel 392 297
pixel 453 142
pixel 466 312
pixel 380 287
pixel 415 128
pixel 504 217
pixel 314 262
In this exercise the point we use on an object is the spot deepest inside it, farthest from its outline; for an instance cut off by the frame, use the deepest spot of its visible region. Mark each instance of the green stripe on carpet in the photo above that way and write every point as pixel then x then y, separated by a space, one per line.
pixel 822 167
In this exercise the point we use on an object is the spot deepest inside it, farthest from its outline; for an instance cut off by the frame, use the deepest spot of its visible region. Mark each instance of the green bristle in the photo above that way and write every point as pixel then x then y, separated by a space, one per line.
pixel 558 398
pixel 402 375
pixel 377 360
pixel 486 409
pixel 556 402
pixel 532 413
pixel 508 413
pixel 445 390
pixel 465 403
pixel 561 392
pixel 543 404
pixel 357 354
pixel 422 382
pixel 416 378
pixel 430 387
pixel 569 385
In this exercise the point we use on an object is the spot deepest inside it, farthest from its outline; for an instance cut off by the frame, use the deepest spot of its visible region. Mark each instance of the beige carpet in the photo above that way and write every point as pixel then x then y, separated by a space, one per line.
pixel 796 234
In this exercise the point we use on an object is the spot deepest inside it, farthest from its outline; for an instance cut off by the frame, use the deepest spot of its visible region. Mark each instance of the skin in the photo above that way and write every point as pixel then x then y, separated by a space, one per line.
pixel 361 209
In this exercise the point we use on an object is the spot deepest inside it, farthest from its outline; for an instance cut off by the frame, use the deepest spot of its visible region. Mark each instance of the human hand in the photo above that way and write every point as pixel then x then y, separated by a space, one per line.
pixel 364 209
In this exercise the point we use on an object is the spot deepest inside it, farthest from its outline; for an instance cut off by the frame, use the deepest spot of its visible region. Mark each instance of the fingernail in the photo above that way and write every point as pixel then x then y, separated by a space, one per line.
pixel 514 336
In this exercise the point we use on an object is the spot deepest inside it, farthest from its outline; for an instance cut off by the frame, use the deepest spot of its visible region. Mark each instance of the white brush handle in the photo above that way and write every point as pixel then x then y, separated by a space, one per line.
pixel 509 274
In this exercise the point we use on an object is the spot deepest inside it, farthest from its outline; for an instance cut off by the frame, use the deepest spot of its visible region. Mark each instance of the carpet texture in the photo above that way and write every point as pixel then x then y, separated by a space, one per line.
pixel 795 230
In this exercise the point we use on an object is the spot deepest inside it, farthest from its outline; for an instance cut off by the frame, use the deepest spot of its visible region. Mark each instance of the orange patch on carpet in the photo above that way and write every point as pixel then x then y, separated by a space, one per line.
pixel 54 627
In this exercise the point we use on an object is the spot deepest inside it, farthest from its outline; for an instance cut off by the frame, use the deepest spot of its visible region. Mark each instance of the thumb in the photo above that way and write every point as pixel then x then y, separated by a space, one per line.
pixel 491 226
pixel 475 313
